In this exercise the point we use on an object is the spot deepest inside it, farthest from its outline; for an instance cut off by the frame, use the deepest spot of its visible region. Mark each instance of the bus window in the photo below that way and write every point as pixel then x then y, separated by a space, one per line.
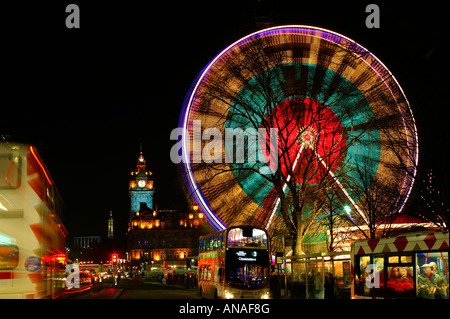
pixel 10 167
pixel 406 259
pixel 432 275
pixel 240 238
pixel 400 276
pixel 221 242
pixel 361 275
pixel 200 273
pixel 400 259
pixel 378 261
pixel 393 259
pixel 216 274
pixel 221 273
pixel 9 257
pixel 400 281
pixel 215 243
pixel 371 269
pixel 210 243
pixel 248 276
pixel 247 268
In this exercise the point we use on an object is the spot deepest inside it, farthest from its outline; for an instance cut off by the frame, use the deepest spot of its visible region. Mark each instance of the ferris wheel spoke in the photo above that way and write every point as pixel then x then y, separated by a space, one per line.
pixel 342 188
pixel 288 178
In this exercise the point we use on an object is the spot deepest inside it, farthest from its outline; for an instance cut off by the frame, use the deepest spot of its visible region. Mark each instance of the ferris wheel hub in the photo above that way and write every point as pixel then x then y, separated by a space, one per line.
pixel 308 138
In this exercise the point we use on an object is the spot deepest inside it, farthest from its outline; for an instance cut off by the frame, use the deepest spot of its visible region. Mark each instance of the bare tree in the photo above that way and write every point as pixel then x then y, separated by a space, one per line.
pixel 377 201
pixel 334 221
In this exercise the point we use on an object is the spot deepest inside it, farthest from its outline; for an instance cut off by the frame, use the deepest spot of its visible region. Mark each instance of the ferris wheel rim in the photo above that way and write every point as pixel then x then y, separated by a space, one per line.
pixel 187 106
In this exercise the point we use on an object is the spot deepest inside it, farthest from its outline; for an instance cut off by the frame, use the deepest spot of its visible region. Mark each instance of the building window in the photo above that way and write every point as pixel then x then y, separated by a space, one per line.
pixel 176 255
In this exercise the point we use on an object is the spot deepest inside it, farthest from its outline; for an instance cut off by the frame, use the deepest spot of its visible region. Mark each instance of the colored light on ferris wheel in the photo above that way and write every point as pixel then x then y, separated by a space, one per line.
pixel 315 54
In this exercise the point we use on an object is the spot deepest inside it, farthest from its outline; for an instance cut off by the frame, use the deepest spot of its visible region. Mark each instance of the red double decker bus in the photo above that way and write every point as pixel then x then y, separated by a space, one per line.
pixel 234 263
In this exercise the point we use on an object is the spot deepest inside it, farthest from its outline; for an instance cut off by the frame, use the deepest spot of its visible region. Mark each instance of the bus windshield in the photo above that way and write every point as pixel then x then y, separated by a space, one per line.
pixel 247 237
pixel 247 268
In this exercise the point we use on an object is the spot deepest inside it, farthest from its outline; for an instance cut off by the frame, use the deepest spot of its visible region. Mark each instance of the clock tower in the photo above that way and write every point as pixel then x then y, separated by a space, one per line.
pixel 141 187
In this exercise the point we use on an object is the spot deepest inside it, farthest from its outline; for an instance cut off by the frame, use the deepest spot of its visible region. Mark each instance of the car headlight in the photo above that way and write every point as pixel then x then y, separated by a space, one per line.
pixel 228 295
pixel 265 296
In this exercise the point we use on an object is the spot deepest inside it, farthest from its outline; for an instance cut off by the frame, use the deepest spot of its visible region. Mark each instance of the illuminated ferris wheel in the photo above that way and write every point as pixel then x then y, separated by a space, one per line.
pixel 335 106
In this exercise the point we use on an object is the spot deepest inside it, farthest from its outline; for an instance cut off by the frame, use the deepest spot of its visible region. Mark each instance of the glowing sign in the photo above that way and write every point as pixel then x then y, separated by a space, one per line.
pixel 242 255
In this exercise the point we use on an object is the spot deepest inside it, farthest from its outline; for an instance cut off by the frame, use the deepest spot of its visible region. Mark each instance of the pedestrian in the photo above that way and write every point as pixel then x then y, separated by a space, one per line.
pixel 195 280
pixel 275 286
pixel 441 289
pixel 427 282
pixel 329 286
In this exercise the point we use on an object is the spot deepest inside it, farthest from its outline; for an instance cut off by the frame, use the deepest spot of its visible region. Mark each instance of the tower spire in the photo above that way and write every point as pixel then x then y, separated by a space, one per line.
pixel 110 226
pixel 141 159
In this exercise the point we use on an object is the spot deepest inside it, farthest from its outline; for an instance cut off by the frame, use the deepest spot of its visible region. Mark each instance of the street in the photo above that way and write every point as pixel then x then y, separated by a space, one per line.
pixel 135 289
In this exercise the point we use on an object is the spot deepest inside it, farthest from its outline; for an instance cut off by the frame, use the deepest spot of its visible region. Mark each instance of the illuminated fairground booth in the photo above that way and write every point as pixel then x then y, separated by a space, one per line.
pixel 323 115
pixel 414 265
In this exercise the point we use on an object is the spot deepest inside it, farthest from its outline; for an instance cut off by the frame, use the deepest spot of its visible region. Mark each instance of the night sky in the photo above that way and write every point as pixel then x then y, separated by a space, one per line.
pixel 88 97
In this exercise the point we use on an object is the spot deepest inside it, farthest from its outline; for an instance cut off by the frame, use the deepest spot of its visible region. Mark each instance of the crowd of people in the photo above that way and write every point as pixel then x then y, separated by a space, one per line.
pixel 432 284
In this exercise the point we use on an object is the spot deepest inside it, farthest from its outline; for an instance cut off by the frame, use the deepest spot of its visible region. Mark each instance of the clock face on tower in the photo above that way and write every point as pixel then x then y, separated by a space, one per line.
pixel 141 187
pixel 141 183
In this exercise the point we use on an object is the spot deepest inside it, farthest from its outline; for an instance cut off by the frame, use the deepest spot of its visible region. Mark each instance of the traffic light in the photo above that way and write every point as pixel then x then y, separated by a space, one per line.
pixel 114 259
